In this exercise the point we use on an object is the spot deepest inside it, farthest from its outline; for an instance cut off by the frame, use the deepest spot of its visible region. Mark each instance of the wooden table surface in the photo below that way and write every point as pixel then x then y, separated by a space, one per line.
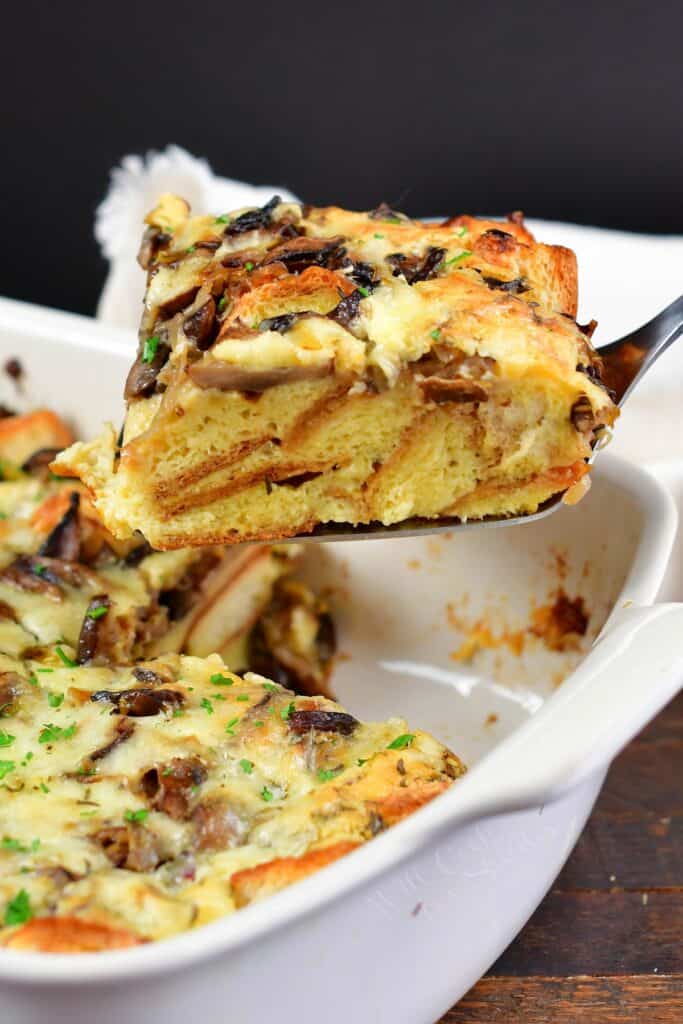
pixel 606 945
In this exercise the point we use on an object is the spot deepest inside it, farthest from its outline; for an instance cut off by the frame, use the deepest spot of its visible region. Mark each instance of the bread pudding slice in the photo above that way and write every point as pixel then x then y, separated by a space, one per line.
pixel 301 366
pixel 140 802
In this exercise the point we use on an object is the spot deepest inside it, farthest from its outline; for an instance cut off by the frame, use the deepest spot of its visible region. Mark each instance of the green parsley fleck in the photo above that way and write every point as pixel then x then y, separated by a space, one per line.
pixel 435 334
pixel 39 570
pixel 391 220
pixel 32 680
pixel 18 910
pixel 327 774
pixel 6 767
pixel 404 740
pixel 461 232
pixel 222 303
pixel 55 700
pixel 140 815
pixel 219 696
pixel 259 724
pixel 223 219
pixel 361 761
pixel 242 696
pixel 149 349
pixel 230 727
pixel 457 259
pixel 220 680
pixel 364 291
pixel 207 705
pixel 44 670
pixel 65 659
pixel 178 713
pixel 266 794
pixel 98 611
pixel 377 235
pixel 191 249
pixel 286 712
pixel 249 265
pixel 273 687
pixel 50 733
pixel 6 738
pixel 246 766
pixel 44 788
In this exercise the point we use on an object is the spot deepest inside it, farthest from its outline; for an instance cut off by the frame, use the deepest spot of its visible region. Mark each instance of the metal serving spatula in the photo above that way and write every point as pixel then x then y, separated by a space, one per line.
pixel 626 362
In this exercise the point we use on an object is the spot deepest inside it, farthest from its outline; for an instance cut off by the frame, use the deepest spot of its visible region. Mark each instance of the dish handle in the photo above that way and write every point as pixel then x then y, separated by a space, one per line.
pixel 634 668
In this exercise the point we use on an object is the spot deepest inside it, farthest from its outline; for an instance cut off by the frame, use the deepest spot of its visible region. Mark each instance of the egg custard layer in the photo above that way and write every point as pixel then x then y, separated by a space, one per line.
pixel 139 802
pixel 299 366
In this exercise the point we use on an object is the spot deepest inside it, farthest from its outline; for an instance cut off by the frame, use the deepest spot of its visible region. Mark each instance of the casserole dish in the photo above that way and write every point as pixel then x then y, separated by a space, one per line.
pixel 400 929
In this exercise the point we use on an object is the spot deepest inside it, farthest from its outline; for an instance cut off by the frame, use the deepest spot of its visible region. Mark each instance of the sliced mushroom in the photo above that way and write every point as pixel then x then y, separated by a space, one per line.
pixel 38 464
pixel 143 374
pixel 323 721
pixel 347 309
pixel 64 541
pixel 201 325
pixel 93 623
pixel 213 373
pixel 171 788
pixel 517 286
pixel 131 846
pixel 302 252
pixel 123 730
pixel 252 220
pixel 416 268
pixel 582 415
pixel 140 701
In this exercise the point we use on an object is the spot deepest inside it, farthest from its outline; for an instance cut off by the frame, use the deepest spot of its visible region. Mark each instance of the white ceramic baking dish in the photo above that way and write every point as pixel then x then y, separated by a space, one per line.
pixel 400 929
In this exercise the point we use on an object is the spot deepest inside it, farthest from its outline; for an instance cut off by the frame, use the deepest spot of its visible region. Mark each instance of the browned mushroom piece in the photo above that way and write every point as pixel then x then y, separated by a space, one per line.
pixel 452 389
pixel 417 268
pixel 38 464
pixel 123 730
pixel 212 373
pixel 322 721
pixel 171 788
pixel 92 627
pixel 140 701
pixel 64 541
pixel 143 374
pixel 302 252
pixel 252 220
pixel 218 825
pixel 201 326
pixel 130 846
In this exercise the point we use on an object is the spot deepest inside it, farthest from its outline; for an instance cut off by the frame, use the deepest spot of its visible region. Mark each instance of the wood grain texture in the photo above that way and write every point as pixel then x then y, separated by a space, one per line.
pixel 606 945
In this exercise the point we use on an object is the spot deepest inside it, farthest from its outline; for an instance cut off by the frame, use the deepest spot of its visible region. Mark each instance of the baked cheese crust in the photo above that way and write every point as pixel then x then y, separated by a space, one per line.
pixel 299 366
pixel 139 802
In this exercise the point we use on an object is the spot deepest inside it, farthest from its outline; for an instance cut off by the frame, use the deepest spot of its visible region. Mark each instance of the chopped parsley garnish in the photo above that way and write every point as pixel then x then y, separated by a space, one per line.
pixel 50 733
pixel 286 712
pixel 246 766
pixel 391 220
pixel 273 687
pixel 32 680
pixel 404 740
pixel 259 724
pixel 230 727
pixel 248 265
pixel 6 843
pixel 222 303
pixel 6 738
pixel 361 761
pixel 191 249
pixel 327 774
pixel 220 680
pixel 39 570
pixel 140 815
pixel 98 611
pixel 149 349
pixel 18 910
pixel 207 705
pixel 377 235
pixel 55 700
pixel 44 788
pixel 178 713
pixel 266 794
pixel 435 334
pixel 457 259
pixel 242 696
pixel 65 659
pixel 6 767
pixel 364 291
pixel 223 219
pixel 44 670
pixel 461 232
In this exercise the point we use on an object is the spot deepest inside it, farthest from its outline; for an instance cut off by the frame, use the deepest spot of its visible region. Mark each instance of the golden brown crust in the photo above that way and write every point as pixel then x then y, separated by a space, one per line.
pixel 256 883
pixel 69 935
pixel 21 436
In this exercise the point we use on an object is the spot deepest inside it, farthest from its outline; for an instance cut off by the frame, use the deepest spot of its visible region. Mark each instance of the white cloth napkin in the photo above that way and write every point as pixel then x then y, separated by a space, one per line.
pixel 624 279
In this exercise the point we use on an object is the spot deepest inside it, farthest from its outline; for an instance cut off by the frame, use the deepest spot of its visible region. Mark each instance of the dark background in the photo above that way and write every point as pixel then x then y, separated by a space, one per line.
pixel 565 110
